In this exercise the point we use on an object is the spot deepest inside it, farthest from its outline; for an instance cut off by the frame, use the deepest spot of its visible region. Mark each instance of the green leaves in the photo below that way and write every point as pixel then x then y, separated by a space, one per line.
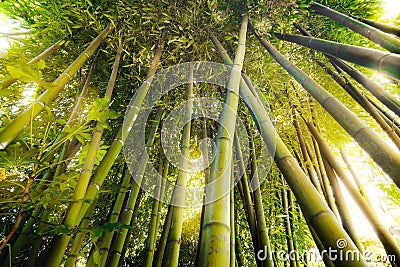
pixel 100 112
pixel 99 156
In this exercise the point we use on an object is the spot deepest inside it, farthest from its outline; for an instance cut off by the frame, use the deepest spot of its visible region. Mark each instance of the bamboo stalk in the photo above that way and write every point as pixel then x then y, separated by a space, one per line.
pixel 374 59
pixel 390 245
pixel 55 257
pixel 215 238
pixel 8 134
pixel 385 27
pixel 127 213
pixel 386 157
pixel 385 40
pixel 42 56
pixel 175 231
pixel 313 206
pixel 116 146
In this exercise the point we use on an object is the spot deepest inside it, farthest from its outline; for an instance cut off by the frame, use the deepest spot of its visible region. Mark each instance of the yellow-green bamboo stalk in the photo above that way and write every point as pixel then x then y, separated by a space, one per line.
pixel 215 248
pixel 8 134
pixel 175 232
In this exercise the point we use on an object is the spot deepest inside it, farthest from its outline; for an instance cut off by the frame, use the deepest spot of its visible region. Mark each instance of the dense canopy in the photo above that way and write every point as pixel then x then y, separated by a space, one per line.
pixel 199 133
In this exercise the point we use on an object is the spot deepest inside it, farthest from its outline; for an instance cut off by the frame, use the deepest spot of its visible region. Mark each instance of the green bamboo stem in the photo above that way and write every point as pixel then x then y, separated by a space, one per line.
pixel 55 257
pixel 390 245
pixel 362 100
pixel 116 146
pixel 341 205
pixel 42 56
pixel 354 175
pixel 8 134
pixel 78 240
pixel 313 206
pixel 262 229
pixel 287 224
pixel 388 28
pixel 216 228
pixel 162 243
pixel 238 246
pixel 232 259
pixel 105 240
pixel 386 157
pixel 385 40
pixel 247 200
pixel 127 213
pixel 378 60
pixel 156 214
pixel 175 232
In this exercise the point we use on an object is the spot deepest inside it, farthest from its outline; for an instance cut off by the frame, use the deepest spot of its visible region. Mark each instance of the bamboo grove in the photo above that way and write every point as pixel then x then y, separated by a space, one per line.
pixel 278 168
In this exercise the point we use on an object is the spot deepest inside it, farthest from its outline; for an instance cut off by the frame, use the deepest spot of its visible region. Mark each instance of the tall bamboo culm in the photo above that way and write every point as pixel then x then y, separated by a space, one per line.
pixel 386 157
pixel 215 240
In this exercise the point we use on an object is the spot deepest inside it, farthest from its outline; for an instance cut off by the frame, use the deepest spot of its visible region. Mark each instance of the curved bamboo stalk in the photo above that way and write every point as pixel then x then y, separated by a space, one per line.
pixel 387 63
pixel 116 146
pixel 386 157
pixel 314 208
pixel 215 238
pixel 388 28
pixel 8 134
pixel 385 40
pixel 390 245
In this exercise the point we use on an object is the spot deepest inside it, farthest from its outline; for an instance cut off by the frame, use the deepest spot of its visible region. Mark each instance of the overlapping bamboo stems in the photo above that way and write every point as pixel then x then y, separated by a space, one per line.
pixel 56 252
pixel 162 243
pixel 238 246
pixel 325 181
pixel 8 134
pixel 288 225
pixel 315 210
pixel 363 101
pixel 262 229
pixel 126 215
pixel 216 227
pixel 341 205
pixel 386 157
pixel 385 40
pixel 156 213
pixel 79 238
pixel 104 242
pixel 42 56
pixel 175 231
pixel 354 175
pixel 21 239
pixel 247 200
pixel 378 60
pixel 382 95
pixel 383 234
pixel 116 146
pixel 388 28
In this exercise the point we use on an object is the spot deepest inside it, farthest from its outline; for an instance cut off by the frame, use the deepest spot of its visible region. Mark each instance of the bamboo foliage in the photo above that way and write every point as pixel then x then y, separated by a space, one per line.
pixel 387 158
pixel 8 134
pixel 387 63
pixel 215 240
